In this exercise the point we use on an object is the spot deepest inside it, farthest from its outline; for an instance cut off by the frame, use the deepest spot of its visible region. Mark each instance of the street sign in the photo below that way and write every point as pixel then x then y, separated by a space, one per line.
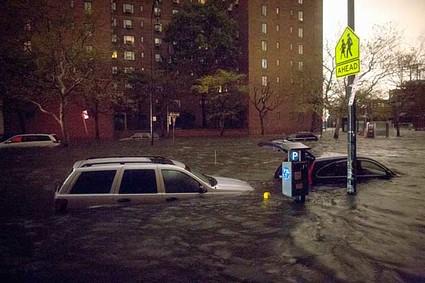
pixel 347 54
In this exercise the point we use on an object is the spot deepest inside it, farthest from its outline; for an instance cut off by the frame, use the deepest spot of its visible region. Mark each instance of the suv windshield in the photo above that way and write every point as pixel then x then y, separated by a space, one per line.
pixel 210 180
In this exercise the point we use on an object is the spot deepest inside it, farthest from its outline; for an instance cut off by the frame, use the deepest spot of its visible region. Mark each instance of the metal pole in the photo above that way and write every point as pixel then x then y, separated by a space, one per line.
pixel 351 160
pixel 152 83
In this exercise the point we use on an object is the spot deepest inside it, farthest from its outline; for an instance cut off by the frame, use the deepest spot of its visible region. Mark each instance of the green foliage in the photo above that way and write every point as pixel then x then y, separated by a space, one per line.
pixel 204 38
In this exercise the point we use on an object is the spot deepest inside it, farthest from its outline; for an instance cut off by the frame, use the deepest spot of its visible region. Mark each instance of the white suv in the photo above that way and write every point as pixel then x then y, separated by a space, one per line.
pixel 31 140
pixel 107 181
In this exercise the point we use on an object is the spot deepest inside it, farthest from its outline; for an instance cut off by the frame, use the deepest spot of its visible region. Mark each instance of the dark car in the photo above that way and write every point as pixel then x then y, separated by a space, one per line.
pixel 302 136
pixel 333 169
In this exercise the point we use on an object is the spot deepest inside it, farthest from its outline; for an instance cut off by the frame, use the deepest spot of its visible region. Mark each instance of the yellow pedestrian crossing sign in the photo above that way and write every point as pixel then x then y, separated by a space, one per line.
pixel 347 54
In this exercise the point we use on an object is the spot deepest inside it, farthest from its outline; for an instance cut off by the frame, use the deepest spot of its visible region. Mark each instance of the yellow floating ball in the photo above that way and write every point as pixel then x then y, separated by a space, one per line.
pixel 266 195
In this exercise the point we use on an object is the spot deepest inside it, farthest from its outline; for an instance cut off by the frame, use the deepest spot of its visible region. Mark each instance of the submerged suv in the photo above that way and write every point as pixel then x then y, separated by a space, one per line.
pixel 112 180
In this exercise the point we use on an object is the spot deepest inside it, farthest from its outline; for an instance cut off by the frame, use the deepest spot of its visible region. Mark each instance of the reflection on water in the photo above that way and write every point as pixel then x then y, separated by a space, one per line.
pixel 377 235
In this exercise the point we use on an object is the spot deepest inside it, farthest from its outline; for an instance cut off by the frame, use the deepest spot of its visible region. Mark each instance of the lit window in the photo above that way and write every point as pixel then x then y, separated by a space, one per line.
pixel 141 8
pixel 142 39
pixel 114 70
pixel 71 4
pixel 277 11
pixel 87 8
pixel 277 79
pixel 300 49
pixel 264 63
pixel 300 32
pixel 142 23
pixel 27 27
pixel 128 85
pixel 142 54
pixel 300 2
pixel 263 45
pixel 27 46
pixel 291 46
pixel 129 55
pixel 291 12
pixel 114 38
pixel 300 66
pixel 114 54
pixel 128 8
pixel 277 27
pixel 277 45
pixel 291 63
pixel 157 12
pixel 300 16
pixel 264 28
pixel 128 39
pixel 157 41
pixel 128 24
pixel 114 22
pixel 264 10
pixel 264 80
pixel 277 62
pixel 174 11
pixel 114 6
pixel 291 29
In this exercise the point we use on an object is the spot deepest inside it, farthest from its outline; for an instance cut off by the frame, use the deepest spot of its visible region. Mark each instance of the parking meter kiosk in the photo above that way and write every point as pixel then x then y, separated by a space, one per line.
pixel 295 171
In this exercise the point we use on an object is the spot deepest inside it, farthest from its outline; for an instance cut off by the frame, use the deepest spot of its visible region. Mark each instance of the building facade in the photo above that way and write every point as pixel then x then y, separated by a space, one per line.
pixel 281 50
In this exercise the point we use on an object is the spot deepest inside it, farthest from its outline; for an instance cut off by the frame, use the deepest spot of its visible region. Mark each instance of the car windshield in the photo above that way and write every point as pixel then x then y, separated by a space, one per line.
pixel 208 179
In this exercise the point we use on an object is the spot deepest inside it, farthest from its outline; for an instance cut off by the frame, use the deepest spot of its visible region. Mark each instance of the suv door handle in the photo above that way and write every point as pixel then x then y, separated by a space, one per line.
pixel 124 200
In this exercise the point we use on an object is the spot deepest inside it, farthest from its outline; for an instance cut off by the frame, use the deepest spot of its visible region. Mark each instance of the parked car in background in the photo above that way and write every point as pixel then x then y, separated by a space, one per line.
pixel 138 180
pixel 332 168
pixel 302 136
pixel 31 140
pixel 140 136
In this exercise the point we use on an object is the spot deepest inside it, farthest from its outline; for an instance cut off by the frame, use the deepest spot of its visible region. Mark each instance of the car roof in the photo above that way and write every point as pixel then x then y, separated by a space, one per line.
pixel 113 160
pixel 284 145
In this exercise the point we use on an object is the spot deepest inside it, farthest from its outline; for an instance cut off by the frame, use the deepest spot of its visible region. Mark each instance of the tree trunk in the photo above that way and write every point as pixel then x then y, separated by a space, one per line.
pixel 203 110
pixel 222 126
pixel 262 124
pixel 337 127
pixel 96 121
pixel 62 124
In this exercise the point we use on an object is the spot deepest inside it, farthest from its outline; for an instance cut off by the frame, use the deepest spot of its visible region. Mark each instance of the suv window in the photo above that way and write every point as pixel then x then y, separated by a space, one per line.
pixel 335 169
pixel 179 182
pixel 35 138
pixel 138 182
pixel 94 182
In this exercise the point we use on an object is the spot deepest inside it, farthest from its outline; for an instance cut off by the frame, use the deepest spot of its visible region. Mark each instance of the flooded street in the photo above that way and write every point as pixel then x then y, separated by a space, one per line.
pixel 376 236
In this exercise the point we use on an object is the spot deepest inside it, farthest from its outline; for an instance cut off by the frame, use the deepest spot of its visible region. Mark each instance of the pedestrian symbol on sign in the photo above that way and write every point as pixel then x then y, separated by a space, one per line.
pixel 347 54
pixel 286 173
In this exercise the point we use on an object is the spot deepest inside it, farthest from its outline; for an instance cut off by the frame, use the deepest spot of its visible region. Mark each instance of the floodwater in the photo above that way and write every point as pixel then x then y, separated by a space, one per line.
pixel 376 236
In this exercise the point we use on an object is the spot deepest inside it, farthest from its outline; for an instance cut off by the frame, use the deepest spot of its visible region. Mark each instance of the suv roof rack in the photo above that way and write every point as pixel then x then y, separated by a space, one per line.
pixel 122 160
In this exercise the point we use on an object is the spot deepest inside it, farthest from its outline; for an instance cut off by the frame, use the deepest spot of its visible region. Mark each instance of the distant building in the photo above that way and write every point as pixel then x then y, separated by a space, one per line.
pixel 281 48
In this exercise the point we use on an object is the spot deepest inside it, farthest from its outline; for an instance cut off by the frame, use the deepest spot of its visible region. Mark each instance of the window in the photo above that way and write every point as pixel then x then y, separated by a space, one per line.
pixel 174 11
pixel 157 12
pixel 142 23
pixel 158 27
pixel 300 49
pixel 114 54
pixel 367 168
pixel 71 4
pixel 142 39
pixel 114 6
pixel 128 86
pixel 264 28
pixel 300 32
pixel 158 57
pixel 27 46
pixel 263 45
pixel 128 39
pixel 264 80
pixel 300 2
pixel 89 48
pixel 277 27
pixel 95 182
pixel 141 8
pixel 277 45
pixel 277 10
pixel 291 29
pixel 264 63
pixel 114 70
pixel 300 16
pixel 138 182
pixel 142 54
pixel 129 55
pixel 277 80
pixel 34 138
pixel 291 46
pixel 128 24
pixel 128 8
pixel 335 169
pixel 277 62
pixel 114 38
pixel 114 22
pixel 179 182
pixel 157 41
pixel 300 66
pixel 264 10
pixel 128 70
pixel 87 8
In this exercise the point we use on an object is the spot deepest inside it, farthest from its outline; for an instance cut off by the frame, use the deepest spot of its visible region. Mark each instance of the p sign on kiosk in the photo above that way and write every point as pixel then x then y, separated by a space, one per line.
pixel 295 172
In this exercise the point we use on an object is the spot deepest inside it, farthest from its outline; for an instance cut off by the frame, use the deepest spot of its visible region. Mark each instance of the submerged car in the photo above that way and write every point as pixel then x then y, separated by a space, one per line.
pixel 146 179
pixel 31 140
pixel 140 136
pixel 302 136
pixel 331 169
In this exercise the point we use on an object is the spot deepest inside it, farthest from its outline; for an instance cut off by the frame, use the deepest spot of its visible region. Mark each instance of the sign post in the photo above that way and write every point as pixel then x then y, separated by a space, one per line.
pixel 347 61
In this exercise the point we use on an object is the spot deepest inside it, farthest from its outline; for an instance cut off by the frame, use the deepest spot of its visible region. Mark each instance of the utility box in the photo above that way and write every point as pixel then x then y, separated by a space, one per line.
pixel 295 172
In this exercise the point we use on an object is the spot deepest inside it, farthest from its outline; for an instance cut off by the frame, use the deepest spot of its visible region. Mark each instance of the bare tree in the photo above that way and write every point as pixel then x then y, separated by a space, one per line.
pixel 264 101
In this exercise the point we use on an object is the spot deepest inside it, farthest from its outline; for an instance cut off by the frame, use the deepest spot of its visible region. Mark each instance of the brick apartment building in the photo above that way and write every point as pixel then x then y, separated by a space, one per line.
pixel 281 44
